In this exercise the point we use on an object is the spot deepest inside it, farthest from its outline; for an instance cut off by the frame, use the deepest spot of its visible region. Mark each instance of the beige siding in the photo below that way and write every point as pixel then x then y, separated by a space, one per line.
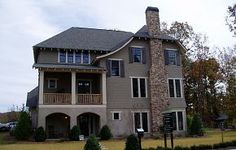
pixel 118 88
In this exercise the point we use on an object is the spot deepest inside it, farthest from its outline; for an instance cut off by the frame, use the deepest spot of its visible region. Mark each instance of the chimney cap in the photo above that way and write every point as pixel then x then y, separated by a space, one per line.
pixel 149 8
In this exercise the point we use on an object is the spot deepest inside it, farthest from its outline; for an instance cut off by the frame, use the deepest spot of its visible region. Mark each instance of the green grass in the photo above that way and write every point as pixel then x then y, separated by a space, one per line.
pixel 213 136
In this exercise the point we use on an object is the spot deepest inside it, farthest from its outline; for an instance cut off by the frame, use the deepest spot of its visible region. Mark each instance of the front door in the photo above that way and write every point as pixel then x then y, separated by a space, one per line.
pixel 84 87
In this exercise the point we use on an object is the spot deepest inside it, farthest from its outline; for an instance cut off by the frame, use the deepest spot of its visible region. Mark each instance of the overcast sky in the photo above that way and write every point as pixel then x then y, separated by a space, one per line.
pixel 24 23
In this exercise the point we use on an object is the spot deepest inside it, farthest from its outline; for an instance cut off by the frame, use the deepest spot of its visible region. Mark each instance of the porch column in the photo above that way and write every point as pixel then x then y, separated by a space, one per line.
pixel 73 87
pixel 41 85
pixel 104 88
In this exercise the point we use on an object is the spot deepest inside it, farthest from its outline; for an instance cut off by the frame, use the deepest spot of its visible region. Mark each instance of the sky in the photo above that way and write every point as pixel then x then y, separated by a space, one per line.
pixel 25 23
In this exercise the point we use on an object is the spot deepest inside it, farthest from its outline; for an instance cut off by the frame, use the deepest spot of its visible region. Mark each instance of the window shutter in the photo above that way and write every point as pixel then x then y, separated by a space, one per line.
pixel 130 55
pixel 178 58
pixel 166 57
pixel 143 55
pixel 122 69
pixel 108 68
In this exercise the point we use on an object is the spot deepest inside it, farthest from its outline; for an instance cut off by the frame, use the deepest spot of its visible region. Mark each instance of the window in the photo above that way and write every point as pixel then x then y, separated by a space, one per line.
pixel 116 116
pixel 139 87
pixel 175 87
pixel 70 57
pixel 115 67
pixel 177 118
pixel 52 83
pixel 86 57
pixel 172 57
pixel 62 56
pixel 141 121
pixel 78 57
pixel 137 54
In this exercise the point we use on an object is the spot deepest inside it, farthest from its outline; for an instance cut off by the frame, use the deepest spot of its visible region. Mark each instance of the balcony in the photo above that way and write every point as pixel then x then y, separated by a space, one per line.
pixel 56 98
pixel 65 99
pixel 89 99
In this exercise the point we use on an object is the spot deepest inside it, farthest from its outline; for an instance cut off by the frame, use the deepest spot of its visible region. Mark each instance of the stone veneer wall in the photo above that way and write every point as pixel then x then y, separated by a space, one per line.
pixel 158 74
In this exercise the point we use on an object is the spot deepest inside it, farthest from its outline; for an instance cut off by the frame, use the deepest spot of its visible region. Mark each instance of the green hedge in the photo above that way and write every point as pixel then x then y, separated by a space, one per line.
pixel 199 147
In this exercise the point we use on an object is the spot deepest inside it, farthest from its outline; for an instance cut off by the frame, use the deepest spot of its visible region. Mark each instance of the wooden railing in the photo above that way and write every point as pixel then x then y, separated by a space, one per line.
pixel 57 98
pixel 89 99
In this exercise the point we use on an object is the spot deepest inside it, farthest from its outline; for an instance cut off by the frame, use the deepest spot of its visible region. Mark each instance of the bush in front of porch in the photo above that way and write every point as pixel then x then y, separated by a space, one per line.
pixel 74 133
pixel 105 133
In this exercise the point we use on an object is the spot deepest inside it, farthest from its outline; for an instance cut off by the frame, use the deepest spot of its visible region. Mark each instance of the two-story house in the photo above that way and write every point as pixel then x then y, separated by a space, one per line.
pixel 92 77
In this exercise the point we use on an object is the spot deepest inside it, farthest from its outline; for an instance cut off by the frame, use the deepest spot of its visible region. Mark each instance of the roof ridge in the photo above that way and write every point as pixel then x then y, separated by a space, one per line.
pixel 91 28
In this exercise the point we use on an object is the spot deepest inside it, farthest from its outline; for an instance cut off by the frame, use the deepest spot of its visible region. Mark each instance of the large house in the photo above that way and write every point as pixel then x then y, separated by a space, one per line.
pixel 94 77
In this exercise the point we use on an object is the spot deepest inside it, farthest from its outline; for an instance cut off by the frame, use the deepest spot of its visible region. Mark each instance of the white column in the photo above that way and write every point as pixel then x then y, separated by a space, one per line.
pixel 104 88
pixel 41 85
pixel 73 88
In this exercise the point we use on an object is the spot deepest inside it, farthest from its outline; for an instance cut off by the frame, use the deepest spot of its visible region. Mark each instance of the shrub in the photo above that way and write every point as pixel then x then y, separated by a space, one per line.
pixel 23 128
pixel 131 143
pixel 40 135
pixel 12 131
pixel 105 133
pixel 196 126
pixel 189 124
pixel 92 144
pixel 202 147
pixel 74 133
pixel 181 148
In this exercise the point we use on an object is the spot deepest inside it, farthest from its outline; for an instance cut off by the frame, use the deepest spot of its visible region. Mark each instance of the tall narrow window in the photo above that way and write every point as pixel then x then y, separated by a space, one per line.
pixel 137 120
pixel 171 88
pixel 180 120
pixel 178 88
pixel 145 122
pixel 137 54
pixel 115 67
pixel 85 57
pixel 62 56
pixel 142 87
pixel 78 57
pixel 174 120
pixel 70 57
pixel 135 87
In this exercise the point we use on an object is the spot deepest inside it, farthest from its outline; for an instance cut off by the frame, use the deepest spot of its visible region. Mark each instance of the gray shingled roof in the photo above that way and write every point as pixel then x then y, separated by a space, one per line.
pixel 86 39
pixel 94 39
pixel 143 32
pixel 32 98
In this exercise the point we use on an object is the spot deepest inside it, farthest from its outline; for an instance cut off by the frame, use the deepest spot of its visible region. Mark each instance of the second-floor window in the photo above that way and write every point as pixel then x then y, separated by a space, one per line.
pixel 115 67
pixel 137 54
pixel 78 57
pixel 139 87
pixel 172 57
pixel 175 87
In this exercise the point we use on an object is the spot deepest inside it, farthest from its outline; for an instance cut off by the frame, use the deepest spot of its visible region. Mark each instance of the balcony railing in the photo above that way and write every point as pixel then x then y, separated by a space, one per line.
pixel 57 98
pixel 89 99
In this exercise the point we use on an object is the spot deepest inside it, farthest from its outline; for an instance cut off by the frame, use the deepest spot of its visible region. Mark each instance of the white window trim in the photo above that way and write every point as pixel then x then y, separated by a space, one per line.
pixel 139 90
pixel 181 87
pixel 112 113
pixel 115 59
pixel 177 119
pixel 141 120
pixel 49 79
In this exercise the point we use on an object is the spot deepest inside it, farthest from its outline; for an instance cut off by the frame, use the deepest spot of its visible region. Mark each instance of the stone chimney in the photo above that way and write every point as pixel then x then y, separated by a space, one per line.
pixel 157 73
pixel 153 21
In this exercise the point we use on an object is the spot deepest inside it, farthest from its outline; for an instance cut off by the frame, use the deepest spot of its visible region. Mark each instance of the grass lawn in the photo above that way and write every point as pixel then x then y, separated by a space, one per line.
pixel 213 136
